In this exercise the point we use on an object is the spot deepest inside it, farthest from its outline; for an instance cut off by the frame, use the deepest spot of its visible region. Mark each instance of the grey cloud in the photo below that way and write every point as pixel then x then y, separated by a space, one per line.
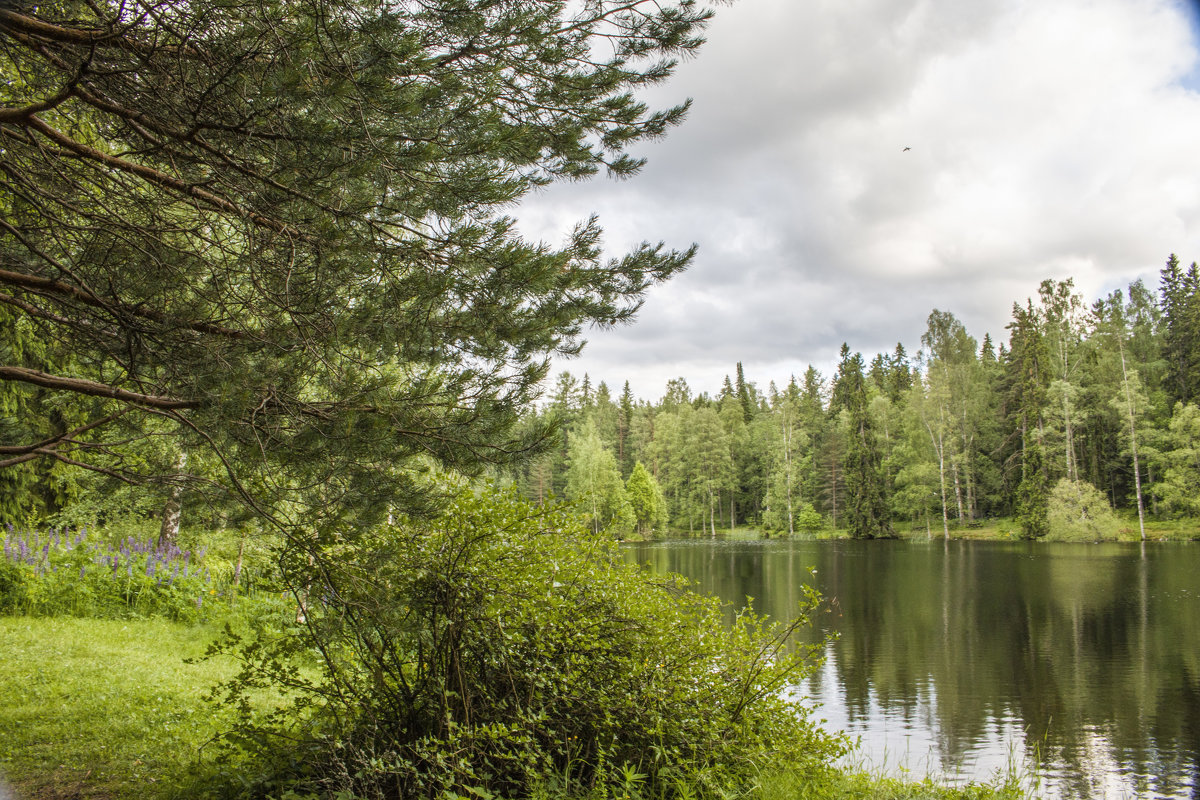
pixel 1048 140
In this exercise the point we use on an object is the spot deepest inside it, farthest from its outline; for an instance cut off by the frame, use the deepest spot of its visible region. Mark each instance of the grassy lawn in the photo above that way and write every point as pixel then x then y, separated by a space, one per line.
pixel 101 708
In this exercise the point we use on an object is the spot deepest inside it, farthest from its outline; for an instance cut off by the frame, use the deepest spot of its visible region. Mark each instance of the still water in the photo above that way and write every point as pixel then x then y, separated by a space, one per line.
pixel 1076 664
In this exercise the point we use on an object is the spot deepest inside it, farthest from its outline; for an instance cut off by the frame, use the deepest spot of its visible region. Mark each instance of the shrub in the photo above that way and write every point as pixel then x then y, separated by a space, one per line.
pixel 809 520
pixel 1079 511
pixel 502 650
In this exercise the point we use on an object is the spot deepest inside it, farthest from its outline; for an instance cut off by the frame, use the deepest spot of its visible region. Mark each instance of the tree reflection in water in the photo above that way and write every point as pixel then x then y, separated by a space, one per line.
pixel 959 658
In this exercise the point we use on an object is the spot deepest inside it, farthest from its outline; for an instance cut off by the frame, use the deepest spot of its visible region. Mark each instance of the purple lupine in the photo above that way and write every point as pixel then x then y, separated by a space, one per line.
pixel 81 571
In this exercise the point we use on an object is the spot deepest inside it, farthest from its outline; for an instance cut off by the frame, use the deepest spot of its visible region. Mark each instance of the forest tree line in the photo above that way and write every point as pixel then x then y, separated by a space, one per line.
pixel 1086 408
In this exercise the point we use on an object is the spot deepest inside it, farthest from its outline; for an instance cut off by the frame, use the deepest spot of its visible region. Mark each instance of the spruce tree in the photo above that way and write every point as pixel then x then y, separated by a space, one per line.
pixel 1180 291
pixel 868 514
pixel 1028 379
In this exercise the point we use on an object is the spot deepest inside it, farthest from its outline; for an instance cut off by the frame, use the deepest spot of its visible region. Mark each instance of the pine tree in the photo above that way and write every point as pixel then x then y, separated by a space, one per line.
pixel 283 239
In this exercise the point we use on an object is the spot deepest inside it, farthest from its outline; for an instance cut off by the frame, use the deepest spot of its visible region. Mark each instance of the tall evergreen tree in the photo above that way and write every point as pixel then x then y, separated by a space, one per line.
pixel 744 397
pixel 1028 378
pixel 1180 291
pixel 868 514
pixel 625 457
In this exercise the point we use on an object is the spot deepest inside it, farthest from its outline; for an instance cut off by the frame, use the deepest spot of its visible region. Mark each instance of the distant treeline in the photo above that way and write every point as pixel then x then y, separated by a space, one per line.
pixel 1083 403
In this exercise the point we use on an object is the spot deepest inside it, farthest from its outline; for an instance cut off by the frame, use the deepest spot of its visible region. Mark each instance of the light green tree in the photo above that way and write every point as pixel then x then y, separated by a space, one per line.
pixel 709 464
pixel 594 482
pixel 792 464
pixel 1180 486
pixel 1078 511
pixel 646 499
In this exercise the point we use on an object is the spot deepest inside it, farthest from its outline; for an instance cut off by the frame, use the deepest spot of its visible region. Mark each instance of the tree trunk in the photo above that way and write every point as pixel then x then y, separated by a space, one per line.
pixel 1069 436
pixel 1137 472
pixel 958 498
pixel 172 513
pixel 940 449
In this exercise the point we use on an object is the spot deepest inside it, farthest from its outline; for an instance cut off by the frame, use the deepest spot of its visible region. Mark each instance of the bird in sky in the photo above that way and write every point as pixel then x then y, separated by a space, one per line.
pixel 905 150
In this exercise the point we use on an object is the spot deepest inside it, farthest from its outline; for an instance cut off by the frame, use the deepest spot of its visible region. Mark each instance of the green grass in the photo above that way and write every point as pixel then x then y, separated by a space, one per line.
pixel 858 785
pixel 107 710
pixel 101 708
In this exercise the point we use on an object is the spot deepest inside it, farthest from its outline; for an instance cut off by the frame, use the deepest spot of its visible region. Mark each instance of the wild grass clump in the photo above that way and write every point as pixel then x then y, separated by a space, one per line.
pixel 501 650
pixel 84 574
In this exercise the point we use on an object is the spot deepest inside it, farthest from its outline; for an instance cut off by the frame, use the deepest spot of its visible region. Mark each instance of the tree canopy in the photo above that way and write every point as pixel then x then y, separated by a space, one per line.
pixel 274 234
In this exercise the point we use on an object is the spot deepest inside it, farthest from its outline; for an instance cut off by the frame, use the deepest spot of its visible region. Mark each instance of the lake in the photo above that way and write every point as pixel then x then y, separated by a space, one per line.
pixel 1075 663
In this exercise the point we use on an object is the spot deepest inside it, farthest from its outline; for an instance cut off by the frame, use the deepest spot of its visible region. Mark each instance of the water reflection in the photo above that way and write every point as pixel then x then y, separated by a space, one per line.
pixel 959 658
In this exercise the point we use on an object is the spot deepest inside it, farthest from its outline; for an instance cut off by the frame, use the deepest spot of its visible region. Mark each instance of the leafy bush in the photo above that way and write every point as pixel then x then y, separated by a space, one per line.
pixel 809 520
pixel 1080 512
pixel 502 650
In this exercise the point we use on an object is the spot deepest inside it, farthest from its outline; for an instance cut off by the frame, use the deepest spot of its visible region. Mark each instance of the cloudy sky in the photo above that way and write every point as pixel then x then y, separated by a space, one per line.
pixel 1049 139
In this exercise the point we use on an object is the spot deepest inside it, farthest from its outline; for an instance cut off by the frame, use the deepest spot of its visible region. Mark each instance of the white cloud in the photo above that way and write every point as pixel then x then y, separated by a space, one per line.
pixel 1048 140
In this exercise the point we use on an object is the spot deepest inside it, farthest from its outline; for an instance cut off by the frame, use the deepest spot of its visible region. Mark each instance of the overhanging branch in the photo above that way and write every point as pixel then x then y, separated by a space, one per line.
pixel 93 388
pixel 60 289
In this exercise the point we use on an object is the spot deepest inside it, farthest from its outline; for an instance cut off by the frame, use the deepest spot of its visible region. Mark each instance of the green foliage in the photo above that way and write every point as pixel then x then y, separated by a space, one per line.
pixel 1032 500
pixel 88 574
pixel 868 513
pixel 1180 487
pixel 501 646
pixel 1078 511
pixel 646 499
pixel 594 483
pixel 809 520
pixel 280 242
